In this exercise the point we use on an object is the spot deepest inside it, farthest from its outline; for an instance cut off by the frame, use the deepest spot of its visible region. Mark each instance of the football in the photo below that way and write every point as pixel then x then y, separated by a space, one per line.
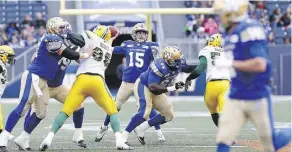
pixel 114 31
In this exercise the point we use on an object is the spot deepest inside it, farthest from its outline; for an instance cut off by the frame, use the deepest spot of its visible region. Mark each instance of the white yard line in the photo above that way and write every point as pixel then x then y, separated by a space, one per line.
pixel 174 99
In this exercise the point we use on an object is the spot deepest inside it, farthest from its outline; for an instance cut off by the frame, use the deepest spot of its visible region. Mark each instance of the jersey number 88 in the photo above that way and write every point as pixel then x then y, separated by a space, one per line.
pixel 98 56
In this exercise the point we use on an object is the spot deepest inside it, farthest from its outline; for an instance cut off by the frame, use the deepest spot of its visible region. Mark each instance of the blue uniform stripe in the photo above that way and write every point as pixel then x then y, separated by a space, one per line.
pixel 142 99
pixel 16 113
pixel 270 114
pixel 26 92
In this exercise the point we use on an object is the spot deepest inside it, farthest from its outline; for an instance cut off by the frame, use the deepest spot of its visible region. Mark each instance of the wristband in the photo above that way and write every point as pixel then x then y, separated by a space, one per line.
pixel 170 88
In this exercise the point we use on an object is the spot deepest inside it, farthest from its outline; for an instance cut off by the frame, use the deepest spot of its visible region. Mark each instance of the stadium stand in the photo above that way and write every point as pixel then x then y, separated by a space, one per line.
pixel 275 17
pixel 22 22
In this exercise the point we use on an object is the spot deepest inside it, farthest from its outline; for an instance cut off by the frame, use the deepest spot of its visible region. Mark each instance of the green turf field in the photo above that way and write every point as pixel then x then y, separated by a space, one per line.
pixel 191 131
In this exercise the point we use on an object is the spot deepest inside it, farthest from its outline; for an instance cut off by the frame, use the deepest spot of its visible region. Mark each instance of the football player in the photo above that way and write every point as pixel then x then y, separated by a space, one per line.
pixel 150 89
pixel 34 88
pixel 217 79
pixel 139 55
pixel 90 82
pixel 249 97
pixel 59 92
pixel 7 59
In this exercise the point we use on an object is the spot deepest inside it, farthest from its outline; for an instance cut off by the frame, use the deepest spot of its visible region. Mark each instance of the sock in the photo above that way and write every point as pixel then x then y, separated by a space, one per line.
pixel 115 123
pixel 157 120
pixel 32 122
pixel 12 120
pixel 281 138
pixel 26 117
pixel 24 134
pixel 215 118
pixel 144 126
pixel 78 118
pixel 107 120
pixel 135 121
pixel 59 121
pixel 223 148
pixel 152 115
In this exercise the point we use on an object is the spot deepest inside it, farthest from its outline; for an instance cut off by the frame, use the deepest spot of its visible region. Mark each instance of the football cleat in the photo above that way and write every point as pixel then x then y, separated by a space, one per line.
pixel 160 137
pixel 101 133
pixel 121 145
pixel 140 135
pixel 47 142
pixel 3 149
pixel 22 143
pixel 78 138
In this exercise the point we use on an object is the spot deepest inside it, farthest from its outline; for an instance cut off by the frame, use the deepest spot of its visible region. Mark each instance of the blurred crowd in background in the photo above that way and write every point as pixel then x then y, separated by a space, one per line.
pixel 275 16
pixel 23 34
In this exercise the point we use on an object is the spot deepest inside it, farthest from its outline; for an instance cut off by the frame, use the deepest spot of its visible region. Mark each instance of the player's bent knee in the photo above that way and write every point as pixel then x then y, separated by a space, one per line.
pixel 41 115
pixel 169 117
pixel 226 139
pixel 112 111
pixel 67 111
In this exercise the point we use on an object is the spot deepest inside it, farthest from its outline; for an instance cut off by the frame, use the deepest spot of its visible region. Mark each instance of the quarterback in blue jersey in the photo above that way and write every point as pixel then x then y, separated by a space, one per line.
pixel 139 54
pixel 34 89
pixel 249 97
pixel 59 92
pixel 150 89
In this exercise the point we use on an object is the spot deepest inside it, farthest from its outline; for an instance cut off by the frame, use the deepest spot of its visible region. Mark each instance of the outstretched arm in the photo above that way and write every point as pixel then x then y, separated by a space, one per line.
pixel 199 69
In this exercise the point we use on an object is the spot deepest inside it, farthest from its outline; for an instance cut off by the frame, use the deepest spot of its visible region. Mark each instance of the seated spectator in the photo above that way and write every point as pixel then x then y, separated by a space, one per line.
pixel 286 18
pixel 30 41
pixel 200 36
pixel 39 20
pixel 26 22
pixel 274 19
pixel 11 29
pixel 211 26
pixel 15 43
pixel 40 33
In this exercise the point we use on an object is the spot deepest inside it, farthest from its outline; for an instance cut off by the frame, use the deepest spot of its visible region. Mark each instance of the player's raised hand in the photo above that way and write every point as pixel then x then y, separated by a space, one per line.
pixel 187 84
pixel 87 52
pixel 179 85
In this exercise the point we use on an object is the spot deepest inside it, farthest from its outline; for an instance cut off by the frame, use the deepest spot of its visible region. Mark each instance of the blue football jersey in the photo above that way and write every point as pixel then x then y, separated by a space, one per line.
pixel 248 40
pixel 138 58
pixel 45 65
pixel 160 73
pixel 60 74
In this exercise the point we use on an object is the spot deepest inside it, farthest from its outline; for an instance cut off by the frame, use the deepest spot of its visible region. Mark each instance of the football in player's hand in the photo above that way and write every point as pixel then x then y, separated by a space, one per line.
pixel 114 31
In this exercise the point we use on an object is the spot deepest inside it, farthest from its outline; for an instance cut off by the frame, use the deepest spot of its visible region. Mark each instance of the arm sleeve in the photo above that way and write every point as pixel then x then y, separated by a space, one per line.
pixel 119 50
pixel 77 39
pixel 1 69
pixel 153 78
pixel 258 49
pixel 189 68
pixel 70 54
pixel 200 68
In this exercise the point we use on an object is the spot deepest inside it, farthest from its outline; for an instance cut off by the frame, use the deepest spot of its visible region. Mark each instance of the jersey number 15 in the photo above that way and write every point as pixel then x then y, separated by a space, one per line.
pixel 139 62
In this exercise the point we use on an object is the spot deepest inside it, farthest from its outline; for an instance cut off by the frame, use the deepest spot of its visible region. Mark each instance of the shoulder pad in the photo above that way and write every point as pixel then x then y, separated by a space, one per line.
pixel 252 33
pixel 89 34
pixel 52 38
pixel 152 43
pixel 159 67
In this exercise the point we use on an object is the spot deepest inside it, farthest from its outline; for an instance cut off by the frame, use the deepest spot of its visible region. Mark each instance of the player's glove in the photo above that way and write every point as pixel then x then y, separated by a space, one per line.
pixel 177 85
pixel 188 84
